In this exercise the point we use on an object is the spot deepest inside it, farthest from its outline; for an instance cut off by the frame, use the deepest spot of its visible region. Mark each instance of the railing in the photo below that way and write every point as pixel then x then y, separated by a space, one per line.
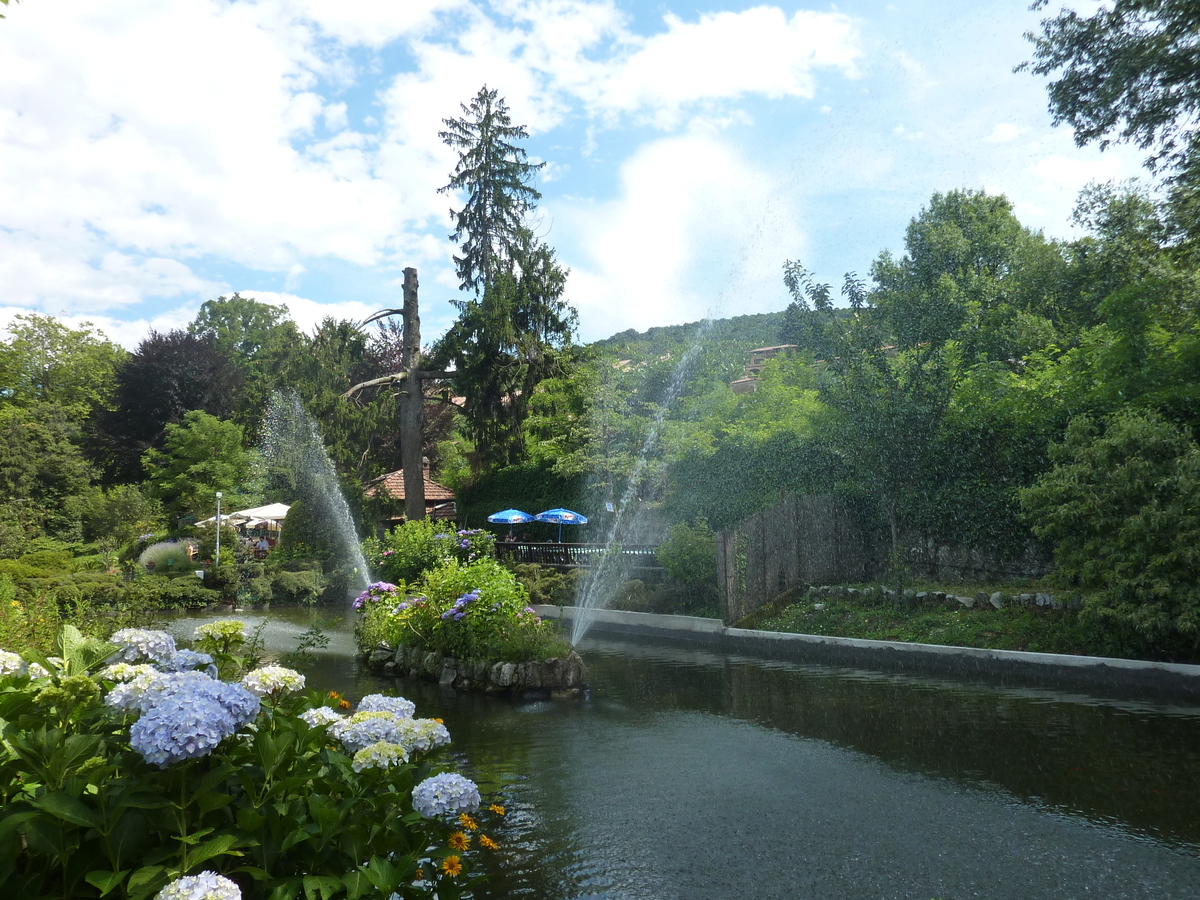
pixel 578 556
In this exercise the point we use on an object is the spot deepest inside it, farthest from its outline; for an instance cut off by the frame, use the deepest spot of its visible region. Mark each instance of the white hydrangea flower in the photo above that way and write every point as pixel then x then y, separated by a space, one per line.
pixel 272 680
pixel 129 695
pixel 380 755
pixel 11 663
pixel 220 630
pixel 125 671
pixel 321 715
pixel 396 705
pixel 135 643
pixel 421 735
pixel 205 886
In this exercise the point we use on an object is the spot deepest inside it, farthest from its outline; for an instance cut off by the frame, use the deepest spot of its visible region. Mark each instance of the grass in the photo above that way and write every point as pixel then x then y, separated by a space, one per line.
pixel 1011 628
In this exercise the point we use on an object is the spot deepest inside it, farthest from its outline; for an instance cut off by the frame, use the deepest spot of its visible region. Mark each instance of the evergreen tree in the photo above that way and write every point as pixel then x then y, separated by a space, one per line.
pixel 495 174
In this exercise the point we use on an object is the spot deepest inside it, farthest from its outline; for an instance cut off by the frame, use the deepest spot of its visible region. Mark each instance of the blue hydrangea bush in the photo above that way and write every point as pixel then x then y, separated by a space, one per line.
pixel 129 770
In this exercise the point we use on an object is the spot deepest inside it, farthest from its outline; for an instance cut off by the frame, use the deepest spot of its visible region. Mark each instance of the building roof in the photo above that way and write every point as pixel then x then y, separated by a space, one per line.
pixel 393 485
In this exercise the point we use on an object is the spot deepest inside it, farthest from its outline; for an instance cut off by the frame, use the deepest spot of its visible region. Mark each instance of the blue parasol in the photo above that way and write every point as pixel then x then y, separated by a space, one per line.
pixel 562 517
pixel 509 517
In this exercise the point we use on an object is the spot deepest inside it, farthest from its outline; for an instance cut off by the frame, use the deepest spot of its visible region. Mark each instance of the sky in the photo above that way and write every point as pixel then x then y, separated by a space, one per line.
pixel 155 154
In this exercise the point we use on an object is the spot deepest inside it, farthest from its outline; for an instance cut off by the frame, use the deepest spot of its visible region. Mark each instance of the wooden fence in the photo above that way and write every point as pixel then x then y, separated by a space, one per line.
pixel 799 540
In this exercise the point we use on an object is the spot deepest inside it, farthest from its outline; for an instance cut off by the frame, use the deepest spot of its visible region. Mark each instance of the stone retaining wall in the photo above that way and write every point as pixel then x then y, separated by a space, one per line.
pixel 979 600
pixel 557 678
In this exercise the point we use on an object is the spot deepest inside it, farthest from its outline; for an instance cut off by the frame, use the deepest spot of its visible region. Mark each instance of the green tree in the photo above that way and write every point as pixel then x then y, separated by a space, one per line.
pixel 47 362
pixel 260 339
pixel 45 481
pixel 122 513
pixel 495 174
pixel 200 456
pixel 1128 72
pixel 166 377
pixel 503 345
pixel 1121 507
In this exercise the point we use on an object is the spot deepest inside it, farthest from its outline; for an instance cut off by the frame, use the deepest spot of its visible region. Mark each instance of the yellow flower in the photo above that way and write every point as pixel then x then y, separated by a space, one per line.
pixel 439 721
pixel 497 809
pixel 467 822
pixel 333 695
pixel 343 704
pixel 458 841
pixel 487 843
pixel 452 866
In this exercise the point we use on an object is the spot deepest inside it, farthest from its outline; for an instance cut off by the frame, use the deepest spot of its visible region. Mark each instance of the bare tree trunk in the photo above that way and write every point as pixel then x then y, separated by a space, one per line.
pixel 411 404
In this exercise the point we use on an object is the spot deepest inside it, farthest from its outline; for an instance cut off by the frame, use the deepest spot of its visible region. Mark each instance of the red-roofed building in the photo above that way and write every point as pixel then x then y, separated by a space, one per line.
pixel 439 499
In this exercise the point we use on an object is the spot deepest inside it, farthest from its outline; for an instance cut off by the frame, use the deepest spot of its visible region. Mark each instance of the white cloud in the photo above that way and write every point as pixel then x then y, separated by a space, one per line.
pixel 696 229
pixel 1003 132
pixel 727 54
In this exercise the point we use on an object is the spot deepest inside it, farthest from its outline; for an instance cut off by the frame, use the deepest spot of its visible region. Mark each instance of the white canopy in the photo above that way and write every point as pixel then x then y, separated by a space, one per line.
pixel 276 512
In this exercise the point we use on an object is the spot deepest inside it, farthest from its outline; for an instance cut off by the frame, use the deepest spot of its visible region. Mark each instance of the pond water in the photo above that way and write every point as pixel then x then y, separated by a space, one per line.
pixel 686 774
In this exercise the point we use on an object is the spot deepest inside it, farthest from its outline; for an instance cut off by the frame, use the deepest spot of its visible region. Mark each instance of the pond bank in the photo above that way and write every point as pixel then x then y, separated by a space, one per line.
pixel 1041 669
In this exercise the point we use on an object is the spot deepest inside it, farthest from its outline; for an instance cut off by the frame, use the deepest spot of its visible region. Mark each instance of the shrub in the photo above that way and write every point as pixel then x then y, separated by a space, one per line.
pixel 168 558
pixel 297 587
pixel 476 611
pixel 410 550
pixel 1120 507
pixel 173 775
pixel 690 554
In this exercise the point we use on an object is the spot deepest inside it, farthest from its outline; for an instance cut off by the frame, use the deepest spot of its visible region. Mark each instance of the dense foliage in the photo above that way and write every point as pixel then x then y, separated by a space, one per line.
pixel 121 779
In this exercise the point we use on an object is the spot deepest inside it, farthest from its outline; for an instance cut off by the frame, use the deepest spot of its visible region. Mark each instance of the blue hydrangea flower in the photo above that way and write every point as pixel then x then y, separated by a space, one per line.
pixel 186 660
pixel 189 727
pixel 241 705
pixel 445 794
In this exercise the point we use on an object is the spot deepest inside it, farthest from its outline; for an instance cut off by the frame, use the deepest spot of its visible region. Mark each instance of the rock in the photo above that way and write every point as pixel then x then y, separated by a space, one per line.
pixel 997 600
pixel 818 606
pixel 968 602
pixel 379 656
pixel 508 675
pixel 389 667
pixel 981 598
pixel 448 673
pixel 853 594
pixel 576 671
pixel 431 663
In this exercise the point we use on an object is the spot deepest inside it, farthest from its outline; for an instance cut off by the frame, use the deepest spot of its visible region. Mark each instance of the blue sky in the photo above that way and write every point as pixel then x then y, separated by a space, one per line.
pixel 158 153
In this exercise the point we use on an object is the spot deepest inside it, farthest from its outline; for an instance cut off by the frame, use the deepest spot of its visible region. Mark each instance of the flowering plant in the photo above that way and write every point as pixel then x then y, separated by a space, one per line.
pixel 473 611
pixel 409 551
pixel 140 782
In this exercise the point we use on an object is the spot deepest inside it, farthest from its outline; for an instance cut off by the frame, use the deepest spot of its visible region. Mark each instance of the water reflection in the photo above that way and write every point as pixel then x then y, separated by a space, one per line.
pixel 687 774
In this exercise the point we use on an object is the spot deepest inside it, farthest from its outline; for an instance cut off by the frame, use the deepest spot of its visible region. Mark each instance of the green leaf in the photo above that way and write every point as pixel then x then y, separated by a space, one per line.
pixel 321 887
pixel 218 846
pixel 146 881
pixel 105 880
pixel 68 808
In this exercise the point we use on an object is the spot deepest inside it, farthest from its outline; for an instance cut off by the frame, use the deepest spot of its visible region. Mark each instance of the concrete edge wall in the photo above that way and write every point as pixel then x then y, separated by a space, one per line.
pixel 1043 669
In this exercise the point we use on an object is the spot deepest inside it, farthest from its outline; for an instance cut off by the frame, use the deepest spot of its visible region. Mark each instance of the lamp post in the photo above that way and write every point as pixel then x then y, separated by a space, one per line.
pixel 217 555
